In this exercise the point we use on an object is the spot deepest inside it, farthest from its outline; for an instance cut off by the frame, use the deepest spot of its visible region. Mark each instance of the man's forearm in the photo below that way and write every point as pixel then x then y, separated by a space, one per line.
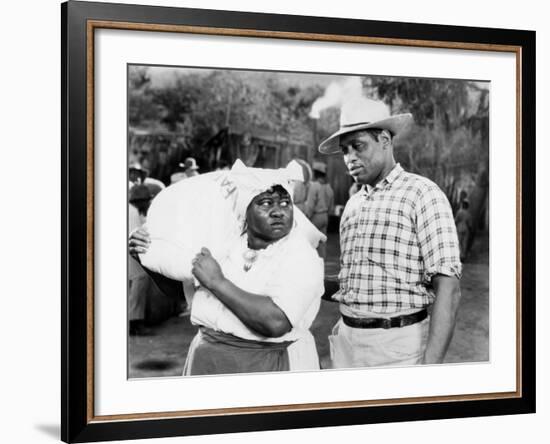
pixel 443 318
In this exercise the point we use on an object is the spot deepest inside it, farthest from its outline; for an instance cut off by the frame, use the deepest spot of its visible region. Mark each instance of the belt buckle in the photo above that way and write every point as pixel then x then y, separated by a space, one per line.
pixel 397 322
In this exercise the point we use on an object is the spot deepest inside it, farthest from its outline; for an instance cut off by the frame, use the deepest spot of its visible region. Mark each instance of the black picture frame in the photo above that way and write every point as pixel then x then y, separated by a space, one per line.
pixel 78 423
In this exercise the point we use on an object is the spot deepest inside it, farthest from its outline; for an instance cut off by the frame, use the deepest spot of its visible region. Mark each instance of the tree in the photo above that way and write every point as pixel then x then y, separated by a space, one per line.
pixel 450 142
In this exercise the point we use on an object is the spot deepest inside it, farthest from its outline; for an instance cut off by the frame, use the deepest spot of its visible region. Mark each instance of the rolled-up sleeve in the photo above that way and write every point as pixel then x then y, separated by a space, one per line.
pixel 437 235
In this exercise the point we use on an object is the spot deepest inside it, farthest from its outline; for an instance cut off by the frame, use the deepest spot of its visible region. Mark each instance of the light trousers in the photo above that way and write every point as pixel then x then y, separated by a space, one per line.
pixel 376 347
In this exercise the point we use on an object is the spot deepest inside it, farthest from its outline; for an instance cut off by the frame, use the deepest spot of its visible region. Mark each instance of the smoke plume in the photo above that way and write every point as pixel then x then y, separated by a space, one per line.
pixel 336 94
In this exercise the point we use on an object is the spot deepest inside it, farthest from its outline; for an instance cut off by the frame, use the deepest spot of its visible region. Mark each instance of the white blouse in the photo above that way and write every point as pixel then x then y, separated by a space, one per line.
pixel 288 271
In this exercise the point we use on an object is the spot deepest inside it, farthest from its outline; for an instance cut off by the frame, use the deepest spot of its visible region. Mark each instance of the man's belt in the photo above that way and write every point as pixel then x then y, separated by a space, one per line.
pixel 396 322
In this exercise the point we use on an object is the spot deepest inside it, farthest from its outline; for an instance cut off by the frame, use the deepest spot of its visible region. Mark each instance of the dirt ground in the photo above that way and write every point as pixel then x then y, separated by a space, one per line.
pixel 163 352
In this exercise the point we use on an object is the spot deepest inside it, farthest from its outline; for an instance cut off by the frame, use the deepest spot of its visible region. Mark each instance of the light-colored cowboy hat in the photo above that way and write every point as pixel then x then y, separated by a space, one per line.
pixel 363 113
pixel 189 164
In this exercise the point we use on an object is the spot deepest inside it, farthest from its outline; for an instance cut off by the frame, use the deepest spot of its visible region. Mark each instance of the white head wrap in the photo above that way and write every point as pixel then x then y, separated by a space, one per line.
pixel 243 183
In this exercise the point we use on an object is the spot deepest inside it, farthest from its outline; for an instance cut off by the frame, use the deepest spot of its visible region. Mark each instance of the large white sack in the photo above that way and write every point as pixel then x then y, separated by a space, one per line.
pixel 185 217
pixel 209 211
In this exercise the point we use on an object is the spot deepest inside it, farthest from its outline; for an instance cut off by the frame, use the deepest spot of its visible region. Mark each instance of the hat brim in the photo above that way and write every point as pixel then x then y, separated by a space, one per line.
pixel 139 170
pixel 394 124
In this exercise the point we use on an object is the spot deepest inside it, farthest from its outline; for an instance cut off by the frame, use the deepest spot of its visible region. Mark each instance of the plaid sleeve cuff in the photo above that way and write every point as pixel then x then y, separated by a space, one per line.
pixel 446 270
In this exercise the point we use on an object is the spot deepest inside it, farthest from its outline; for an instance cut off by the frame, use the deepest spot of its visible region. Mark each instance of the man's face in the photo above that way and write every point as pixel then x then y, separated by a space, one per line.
pixel 365 156
pixel 270 215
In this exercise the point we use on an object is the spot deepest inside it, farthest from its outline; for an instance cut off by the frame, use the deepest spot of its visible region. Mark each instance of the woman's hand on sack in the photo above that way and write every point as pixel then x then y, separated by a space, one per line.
pixel 139 241
pixel 207 269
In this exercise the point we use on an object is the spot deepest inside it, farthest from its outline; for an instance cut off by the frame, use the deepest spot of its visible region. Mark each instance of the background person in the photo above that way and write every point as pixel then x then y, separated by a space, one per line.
pixel 139 282
pixel 301 187
pixel 320 202
pixel 186 169
pixel 464 226
pixel 136 174
pixel 139 175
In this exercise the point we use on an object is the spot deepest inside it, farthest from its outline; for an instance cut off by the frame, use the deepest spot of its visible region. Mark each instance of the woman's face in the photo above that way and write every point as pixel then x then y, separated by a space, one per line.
pixel 269 217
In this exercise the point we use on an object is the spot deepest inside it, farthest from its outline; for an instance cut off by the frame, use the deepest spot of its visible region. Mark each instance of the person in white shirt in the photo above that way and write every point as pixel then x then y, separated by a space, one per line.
pixel 320 202
pixel 255 305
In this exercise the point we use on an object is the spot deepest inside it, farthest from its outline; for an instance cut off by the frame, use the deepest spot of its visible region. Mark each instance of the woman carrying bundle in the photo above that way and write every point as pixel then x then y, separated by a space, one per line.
pixel 254 306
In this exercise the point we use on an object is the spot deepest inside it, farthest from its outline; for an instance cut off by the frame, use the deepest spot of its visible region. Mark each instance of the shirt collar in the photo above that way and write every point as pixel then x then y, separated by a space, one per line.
pixel 389 179
pixel 393 174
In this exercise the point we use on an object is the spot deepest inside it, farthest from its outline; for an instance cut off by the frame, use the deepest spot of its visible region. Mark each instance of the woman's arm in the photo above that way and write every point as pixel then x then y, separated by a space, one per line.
pixel 139 243
pixel 257 312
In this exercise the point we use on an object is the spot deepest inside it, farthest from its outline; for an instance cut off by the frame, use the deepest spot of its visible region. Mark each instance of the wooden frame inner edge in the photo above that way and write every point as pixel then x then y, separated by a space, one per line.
pixel 298 36
pixel 90 28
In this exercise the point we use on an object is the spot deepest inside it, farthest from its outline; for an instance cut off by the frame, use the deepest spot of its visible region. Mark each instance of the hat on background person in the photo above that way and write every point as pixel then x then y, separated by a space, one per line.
pixel 136 171
pixel 189 164
pixel 136 166
pixel 361 114
pixel 321 167
pixel 307 171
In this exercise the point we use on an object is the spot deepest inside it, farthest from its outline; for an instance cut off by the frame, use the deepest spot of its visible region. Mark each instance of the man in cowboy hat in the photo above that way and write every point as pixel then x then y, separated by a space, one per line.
pixel 320 202
pixel 400 266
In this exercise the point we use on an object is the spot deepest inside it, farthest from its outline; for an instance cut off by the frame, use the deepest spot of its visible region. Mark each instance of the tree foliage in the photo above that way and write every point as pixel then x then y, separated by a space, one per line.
pixel 449 142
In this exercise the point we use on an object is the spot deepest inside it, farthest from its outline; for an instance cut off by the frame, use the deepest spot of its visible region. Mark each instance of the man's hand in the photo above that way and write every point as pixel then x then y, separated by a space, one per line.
pixel 207 269
pixel 139 241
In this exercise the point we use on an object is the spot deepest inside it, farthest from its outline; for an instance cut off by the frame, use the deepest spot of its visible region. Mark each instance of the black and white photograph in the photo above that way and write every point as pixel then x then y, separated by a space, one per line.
pixel 303 221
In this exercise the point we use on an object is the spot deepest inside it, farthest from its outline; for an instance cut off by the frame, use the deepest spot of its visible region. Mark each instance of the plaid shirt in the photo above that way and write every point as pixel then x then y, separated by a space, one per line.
pixel 394 238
